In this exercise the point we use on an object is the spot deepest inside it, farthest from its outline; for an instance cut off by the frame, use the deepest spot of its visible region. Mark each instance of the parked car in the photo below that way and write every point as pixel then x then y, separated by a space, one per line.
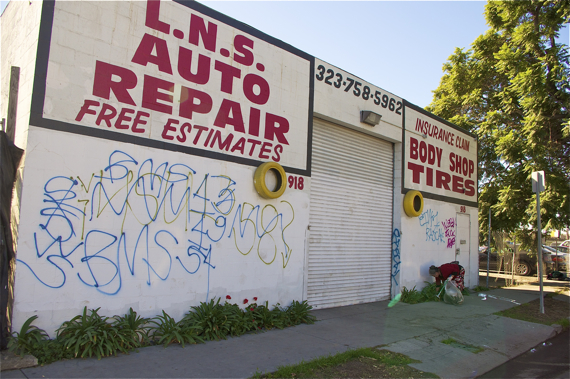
pixel 563 246
pixel 556 259
pixel 525 264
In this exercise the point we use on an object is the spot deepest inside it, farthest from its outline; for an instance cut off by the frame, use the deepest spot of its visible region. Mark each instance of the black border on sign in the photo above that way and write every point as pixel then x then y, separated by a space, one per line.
pixel 425 194
pixel 40 78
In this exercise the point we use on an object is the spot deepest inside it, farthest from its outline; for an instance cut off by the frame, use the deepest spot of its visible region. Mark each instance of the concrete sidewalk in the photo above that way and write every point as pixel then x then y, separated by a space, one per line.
pixel 415 330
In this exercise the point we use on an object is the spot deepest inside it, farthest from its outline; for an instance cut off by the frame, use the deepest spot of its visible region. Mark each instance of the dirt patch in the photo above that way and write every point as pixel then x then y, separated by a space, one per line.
pixel 367 363
pixel 365 367
pixel 554 312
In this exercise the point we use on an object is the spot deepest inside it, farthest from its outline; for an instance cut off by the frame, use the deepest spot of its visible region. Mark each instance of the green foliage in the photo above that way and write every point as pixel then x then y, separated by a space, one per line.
pixel 480 288
pixel 87 335
pixel 330 366
pixel 134 329
pixel 512 89
pixel 299 313
pixel 35 341
pixel 90 334
pixel 413 296
pixel 212 320
pixel 166 331
pixel 29 337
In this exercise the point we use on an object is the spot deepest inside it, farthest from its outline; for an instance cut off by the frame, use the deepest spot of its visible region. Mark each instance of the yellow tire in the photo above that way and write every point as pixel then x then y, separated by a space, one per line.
pixel 259 180
pixel 413 203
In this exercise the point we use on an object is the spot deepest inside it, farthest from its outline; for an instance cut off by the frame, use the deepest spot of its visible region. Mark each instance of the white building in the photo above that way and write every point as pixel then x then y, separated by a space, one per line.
pixel 144 124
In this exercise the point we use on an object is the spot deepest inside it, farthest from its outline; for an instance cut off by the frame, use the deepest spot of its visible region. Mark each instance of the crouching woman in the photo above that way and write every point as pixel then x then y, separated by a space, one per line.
pixel 452 271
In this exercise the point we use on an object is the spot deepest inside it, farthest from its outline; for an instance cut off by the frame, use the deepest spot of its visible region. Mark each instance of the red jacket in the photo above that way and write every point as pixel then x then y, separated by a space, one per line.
pixel 447 270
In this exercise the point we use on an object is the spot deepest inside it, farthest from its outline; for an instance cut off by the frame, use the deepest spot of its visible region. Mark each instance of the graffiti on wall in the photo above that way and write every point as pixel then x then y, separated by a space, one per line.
pixel 440 232
pixel 395 255
pixel 143 219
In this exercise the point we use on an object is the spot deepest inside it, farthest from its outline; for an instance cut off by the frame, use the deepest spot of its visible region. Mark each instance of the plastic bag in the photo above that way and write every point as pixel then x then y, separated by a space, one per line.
pixel 452 294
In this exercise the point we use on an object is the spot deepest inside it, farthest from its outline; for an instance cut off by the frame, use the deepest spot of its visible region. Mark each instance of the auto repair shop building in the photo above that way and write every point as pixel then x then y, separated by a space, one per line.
pixel 174 155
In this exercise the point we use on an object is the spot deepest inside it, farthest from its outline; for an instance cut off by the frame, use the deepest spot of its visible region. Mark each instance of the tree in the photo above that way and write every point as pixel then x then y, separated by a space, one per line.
pixel 512 89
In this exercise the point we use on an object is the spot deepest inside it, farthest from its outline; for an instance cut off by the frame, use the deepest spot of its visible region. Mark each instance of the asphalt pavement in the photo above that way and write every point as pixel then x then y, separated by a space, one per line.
pixel 415 330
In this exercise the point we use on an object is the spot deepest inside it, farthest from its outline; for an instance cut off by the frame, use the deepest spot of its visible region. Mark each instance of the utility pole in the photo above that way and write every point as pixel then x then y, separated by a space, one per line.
pixel 537 187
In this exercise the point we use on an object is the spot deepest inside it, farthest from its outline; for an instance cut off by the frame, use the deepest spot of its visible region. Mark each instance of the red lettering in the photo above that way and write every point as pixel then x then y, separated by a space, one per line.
pixel 208 138
pixel 457 184
pixel 103 83
pixel 107 117
pixel 442 179
pixel 254 120
pixel 228 75
pixel 423 152
pixel 222 145
pixel 278 149
pixel 85 109
pixel 265 149
pixel 200 130
pixel 240 44
pixel 470 187
pixel 188 106
pixel 182 136
pixel 413 148
pixel 276 126
pixel 169 128
pixel 471 167
pixel 151 95
pixel 239 146
pixel 202 74
pixel 123 117
pixel 138 121
pixel 254 143
pixel 252 80
pixel 223 117
pixel 416 170
pixel 198 29
pixel 431 154
pixel 152 21
pixel 143 55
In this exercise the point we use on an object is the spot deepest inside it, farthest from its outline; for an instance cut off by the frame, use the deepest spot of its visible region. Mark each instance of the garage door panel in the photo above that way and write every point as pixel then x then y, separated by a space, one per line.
pixel 351 217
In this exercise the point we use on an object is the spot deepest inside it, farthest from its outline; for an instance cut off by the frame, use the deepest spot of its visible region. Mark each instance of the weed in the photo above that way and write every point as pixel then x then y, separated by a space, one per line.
pixel 480 288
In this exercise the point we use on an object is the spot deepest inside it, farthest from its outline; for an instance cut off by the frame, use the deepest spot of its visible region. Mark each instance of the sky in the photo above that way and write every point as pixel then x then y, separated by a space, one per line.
pixel 399 46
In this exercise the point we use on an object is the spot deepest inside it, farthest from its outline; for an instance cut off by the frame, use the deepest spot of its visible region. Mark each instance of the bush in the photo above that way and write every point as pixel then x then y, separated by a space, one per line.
pixel 166 331
pixel 413 296
pixel 88 335
pixel 134 329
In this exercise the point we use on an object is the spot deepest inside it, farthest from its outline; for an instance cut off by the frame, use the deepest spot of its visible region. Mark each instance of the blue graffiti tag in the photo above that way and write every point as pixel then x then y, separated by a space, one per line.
pixel 395 255
pixel 155 215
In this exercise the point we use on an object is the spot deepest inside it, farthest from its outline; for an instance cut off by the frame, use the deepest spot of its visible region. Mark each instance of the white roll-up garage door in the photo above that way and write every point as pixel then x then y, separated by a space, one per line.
pixel 351 217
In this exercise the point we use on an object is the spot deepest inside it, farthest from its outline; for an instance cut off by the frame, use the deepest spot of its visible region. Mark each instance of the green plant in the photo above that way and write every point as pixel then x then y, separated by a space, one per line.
pixel 299 313
pixel 166 331
pixel 133 328
pixel 28 339
pixel 213 320
pixel 88 335
pixel 480 288
pixel 412 296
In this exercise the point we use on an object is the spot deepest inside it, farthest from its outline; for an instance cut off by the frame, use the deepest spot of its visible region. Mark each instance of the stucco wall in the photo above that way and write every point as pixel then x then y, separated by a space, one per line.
pixel 431 239
pixel 139 187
